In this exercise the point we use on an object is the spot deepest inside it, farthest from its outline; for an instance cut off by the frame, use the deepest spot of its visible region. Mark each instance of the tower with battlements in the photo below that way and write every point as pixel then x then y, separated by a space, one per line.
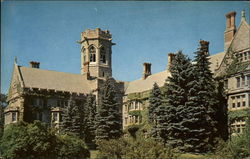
pixel 96 53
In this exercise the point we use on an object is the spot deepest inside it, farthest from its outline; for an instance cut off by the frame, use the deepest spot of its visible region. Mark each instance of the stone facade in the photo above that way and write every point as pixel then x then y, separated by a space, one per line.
pixel 237 78
pixel 37 94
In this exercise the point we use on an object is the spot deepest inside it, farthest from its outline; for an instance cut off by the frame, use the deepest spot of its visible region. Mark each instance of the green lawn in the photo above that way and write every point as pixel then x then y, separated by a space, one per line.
pixel 93 154
pixel 191 156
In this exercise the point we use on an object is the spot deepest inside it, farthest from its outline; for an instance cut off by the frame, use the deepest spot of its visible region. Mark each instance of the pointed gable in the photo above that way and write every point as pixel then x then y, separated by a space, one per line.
pixel 241 40
pixel 16 82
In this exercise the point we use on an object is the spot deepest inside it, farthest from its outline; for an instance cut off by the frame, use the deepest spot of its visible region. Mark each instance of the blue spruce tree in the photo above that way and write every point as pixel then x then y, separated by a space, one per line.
pixel 108 120
pixel 175 97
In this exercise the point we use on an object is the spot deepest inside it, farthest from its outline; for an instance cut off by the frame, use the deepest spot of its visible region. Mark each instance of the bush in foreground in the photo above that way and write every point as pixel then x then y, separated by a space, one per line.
pixel 130 149
pixel 37 141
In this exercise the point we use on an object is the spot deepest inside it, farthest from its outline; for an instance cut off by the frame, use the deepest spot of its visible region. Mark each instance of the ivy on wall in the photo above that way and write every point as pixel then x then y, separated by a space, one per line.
pixel 139 95
pixel 234 65
pixel 135 113
pixel 237 67
pixel 238 114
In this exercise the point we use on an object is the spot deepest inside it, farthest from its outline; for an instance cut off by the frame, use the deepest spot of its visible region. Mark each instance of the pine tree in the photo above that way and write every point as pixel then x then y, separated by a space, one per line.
pixel 196 118
pixel 207 89
pixel 155 101
pixel 71 118
pixel 156 114
pixel 175 96
pixel 89 120
pixel 108 124
pixel 3 104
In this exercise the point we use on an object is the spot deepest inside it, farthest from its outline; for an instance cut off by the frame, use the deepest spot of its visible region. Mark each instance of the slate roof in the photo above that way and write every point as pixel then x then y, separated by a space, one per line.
pixel 241 39
pixel 141 85
pixel 216 60
pixel 60 81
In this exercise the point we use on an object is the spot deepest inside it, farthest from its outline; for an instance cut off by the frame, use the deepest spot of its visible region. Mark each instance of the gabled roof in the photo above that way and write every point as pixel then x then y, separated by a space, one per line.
pixel 142 85
pixel 60 81
pixel 241 39
pixel 216 60
pixel 240 42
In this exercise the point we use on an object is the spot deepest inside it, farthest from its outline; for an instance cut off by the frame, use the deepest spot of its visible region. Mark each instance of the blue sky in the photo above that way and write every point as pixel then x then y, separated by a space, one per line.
pixel 143 32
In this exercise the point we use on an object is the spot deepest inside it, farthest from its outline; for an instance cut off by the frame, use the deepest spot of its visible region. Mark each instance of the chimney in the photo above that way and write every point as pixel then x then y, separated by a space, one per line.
pixel 204 46
pixel 170 59
pixel 34 64
pixel 86 69
pixel 243 15
pixel 146 70
pixel 230 29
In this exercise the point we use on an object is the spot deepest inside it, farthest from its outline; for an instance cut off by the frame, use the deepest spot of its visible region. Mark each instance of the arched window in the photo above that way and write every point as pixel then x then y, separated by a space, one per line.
pixel 92 52
pixel 84 54
pixel 103 55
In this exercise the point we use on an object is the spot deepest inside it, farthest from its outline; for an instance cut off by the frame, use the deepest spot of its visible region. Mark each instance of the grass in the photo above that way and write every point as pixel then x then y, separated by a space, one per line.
pixel 191 156
pixel 93 154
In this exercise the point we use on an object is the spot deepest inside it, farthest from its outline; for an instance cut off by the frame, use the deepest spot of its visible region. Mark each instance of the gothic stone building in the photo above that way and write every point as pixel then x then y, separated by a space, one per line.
pixel 232 65
pixel 37 94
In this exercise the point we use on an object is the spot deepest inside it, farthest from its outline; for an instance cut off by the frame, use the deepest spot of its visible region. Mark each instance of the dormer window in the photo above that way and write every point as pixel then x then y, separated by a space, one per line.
pixel 92 52
pixel 103 55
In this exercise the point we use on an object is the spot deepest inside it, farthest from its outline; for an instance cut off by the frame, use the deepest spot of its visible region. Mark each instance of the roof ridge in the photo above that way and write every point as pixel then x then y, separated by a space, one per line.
pixel 50 70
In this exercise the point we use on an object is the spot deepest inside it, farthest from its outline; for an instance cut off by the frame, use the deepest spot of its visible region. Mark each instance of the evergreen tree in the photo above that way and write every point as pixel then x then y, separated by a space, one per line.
pixel 175 96
pixel 221 113
pixel 155 101
pixel 89 120
pixel 71 118
pixel 108 124
pixel 161 125
pixel 3 104
pixel 206 92
pixel 196 118
pixel 156 114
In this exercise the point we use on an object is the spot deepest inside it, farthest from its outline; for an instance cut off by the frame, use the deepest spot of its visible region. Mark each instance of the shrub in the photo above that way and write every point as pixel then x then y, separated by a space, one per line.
pixel 130 148
pixel 36 141
pixel 70 146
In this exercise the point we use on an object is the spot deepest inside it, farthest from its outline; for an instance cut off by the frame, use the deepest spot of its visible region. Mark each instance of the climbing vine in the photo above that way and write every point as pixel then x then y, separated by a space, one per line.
pixel 139 95
pixel 238 114
pixel 135 113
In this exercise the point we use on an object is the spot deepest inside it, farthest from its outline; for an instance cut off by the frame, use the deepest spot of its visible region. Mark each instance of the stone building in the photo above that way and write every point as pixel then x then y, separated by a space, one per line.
pixel 231 65
pixel 40 94
pixel 37 94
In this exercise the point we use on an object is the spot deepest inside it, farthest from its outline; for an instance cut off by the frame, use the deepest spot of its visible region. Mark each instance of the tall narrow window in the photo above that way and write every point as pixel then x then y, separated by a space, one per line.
pixel 136 105
pixel 126 120
pixel 245 55
pixel 238 82
pixel 14 116
pixel 55 116
pixel 92 52
pixel 248 80
pixel 249 100
pixel 226 84
pixel 243 81
pixel 103 55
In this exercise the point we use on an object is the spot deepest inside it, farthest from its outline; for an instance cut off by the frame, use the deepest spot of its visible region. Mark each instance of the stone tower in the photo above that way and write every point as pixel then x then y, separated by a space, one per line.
pixel 96 53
